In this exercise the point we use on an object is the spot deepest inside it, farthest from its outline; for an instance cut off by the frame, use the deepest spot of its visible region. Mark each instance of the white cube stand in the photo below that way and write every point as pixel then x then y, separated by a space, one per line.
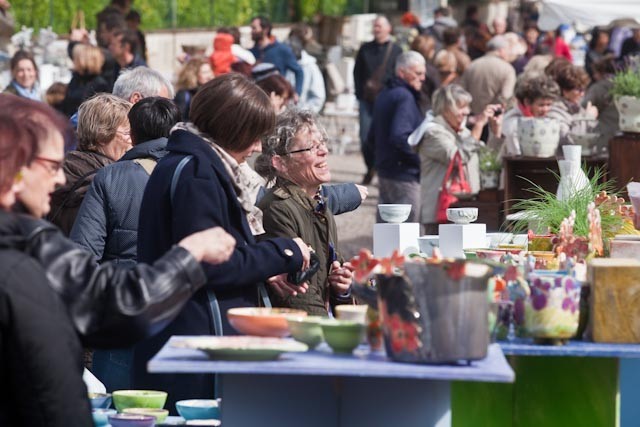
pixel 454 238
pixel 389 237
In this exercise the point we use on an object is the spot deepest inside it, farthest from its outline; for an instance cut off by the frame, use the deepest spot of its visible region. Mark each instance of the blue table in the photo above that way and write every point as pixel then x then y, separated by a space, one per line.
pixel 580 383
pixel 321 389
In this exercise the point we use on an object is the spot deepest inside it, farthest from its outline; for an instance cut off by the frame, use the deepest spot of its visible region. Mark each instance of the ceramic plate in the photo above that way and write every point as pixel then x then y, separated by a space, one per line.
pixel 242 347
pixel 633 237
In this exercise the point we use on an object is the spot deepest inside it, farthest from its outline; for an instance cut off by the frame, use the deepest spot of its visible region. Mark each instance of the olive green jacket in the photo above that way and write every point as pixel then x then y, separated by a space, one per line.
pixel 289 212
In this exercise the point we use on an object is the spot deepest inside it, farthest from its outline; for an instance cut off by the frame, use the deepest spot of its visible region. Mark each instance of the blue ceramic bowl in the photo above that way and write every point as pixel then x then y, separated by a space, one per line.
pixel 199 409
pixel 100 400
pixel 131 420
pixel 101 416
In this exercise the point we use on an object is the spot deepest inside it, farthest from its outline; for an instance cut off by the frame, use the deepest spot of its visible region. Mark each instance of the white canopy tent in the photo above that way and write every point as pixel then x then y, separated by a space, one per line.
pixel 586 13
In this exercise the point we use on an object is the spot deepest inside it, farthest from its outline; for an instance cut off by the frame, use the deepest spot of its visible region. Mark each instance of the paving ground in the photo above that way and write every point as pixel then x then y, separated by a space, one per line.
pixel 355 229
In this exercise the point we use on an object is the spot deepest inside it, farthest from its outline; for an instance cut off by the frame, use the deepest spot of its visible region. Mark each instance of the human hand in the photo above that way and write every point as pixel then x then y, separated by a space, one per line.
pixel 306 253
pixel 591 110
pixel 364 191
pixel 284 288
pixel 340 277
pixel 213 245
pixel 79 35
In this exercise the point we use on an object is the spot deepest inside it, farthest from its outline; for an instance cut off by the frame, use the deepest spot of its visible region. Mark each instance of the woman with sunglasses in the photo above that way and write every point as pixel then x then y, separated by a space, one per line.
pixel 295 157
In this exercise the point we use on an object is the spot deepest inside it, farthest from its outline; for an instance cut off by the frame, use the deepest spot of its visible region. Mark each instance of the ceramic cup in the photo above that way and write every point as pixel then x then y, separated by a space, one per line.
pixel 354 313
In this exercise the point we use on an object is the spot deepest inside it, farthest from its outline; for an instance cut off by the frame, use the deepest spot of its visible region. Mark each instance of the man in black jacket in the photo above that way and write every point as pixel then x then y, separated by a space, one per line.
pixel 374 64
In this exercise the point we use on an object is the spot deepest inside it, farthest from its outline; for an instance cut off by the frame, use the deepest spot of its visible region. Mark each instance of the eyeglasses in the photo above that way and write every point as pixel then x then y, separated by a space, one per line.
pixel 313 149
pixel 52 166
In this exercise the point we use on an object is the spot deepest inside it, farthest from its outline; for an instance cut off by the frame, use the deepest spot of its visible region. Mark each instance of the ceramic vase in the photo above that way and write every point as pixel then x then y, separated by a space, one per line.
pixel 572 177
pixel 538 137
pixel 629 111
pixel 489 179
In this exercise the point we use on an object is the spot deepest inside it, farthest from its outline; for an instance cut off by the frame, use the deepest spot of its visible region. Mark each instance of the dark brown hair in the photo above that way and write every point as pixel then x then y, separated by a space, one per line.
pixel 233 111
pixel 572 77
pixel 538 87
pixel 277 84
pixel 18 144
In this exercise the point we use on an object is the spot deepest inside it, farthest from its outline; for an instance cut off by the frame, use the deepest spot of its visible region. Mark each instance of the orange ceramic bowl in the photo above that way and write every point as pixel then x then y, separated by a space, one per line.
pixel 263 322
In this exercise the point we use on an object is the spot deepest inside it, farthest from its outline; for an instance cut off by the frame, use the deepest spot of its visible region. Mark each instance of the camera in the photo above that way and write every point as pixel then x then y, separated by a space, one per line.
pixel 497 112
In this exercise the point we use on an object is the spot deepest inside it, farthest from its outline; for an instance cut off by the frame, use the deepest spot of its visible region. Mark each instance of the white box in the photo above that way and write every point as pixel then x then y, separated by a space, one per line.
pixel 389 237
pixel 454 238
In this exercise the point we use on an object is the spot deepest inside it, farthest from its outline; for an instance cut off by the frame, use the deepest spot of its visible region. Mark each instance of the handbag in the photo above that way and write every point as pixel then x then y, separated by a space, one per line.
pixel 373 85
pixel 452 184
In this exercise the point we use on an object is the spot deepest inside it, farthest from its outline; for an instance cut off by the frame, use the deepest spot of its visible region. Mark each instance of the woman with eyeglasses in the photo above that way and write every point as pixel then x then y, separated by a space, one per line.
pixel 103 138
pixel 295 157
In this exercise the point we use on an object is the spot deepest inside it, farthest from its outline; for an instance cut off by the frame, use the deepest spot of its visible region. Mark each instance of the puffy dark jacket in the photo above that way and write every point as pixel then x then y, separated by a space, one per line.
pixel 105 306
pixel 107 222
pixel 396 114
pixel 204 198
pixel 81 88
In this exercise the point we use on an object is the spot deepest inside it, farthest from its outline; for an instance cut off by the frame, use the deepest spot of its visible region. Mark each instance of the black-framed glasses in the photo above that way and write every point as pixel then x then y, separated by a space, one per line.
pixel 53 166
pixel 313 149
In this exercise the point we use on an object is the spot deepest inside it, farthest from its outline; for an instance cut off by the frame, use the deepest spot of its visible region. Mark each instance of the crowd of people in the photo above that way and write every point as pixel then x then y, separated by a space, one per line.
pixel 462 88
pixel 136 210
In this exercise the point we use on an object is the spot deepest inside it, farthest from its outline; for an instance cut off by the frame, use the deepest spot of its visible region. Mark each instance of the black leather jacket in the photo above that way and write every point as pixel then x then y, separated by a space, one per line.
pixel 110 306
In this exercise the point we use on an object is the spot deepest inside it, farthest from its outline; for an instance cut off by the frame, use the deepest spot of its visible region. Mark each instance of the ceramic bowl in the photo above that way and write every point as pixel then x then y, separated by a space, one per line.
pixel 495 239
pixel 427 243
pixel 394 214
pixel 588 141
pixel 343 336
pixel 123 399
pixel 101 416
pixel 489 254
pixel 521 240
pixel 306 330
pixel 199 409
pixel 159 414
pixel 462 215
pixel 354 313
pixel 211 423
pixel 545 260
pixel 539 137
pixel 552 310
pixel 130 420
pixel 262 322
pixel 100 400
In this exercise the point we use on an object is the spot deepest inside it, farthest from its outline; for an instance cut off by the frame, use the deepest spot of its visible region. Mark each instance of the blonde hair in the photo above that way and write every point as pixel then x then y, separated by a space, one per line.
pixel 98 120
pixel 188 76
pixel 87 59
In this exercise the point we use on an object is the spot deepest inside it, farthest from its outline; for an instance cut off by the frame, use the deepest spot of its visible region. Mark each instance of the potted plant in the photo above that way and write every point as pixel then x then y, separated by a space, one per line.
pixel 490 167
pixel 626 94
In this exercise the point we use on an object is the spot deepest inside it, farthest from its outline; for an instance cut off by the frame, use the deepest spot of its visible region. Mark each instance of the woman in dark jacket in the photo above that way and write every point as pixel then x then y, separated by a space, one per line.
pixel 103 137
pixel 86 80
pixel 205 181
pixel 69 296
pixel 295 157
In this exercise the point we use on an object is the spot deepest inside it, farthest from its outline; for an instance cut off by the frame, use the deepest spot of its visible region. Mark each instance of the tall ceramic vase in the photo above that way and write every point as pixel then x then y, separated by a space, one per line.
pixel 572 177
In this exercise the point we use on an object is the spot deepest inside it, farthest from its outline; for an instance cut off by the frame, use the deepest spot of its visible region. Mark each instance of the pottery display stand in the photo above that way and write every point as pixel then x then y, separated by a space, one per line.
pixel 388 237
pixel 489 204
pixel 321 389
pixel 624 158
pixel 577 384
pixel 455 238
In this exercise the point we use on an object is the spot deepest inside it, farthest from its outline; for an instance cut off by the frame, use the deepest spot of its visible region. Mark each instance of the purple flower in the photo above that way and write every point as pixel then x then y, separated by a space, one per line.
pixel 539 301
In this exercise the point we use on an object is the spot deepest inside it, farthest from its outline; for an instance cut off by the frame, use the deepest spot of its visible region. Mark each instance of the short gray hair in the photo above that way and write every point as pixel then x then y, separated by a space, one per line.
pixel 143 80
pixel 408 59
pixel 497 42
pixel 448 98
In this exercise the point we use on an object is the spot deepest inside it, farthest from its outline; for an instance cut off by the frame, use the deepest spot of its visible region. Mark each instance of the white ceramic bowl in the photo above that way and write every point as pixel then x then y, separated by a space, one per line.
pixel 462 215
pixel 588 141
pixel 393 213
pixel 355 313
pixel 427 243
pixel 539 137
pixel 495 239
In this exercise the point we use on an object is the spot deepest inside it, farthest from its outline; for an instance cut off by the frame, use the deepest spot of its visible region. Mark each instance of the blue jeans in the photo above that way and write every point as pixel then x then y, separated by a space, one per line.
pixel 113 368
pixel 368 150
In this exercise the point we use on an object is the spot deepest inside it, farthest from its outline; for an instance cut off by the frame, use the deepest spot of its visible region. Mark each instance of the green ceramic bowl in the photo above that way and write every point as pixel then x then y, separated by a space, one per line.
pixel 123 399
pixel 306 329
pixel 343 336
pixel 159 414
